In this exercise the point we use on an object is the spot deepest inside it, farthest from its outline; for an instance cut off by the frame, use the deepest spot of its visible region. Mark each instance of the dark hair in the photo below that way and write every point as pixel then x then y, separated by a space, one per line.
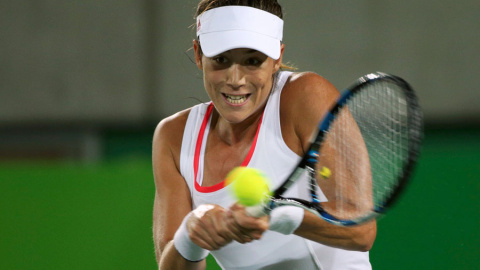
pixel 271 6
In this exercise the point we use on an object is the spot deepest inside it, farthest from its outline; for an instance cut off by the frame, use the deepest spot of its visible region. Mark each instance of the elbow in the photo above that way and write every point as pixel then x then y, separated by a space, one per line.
pixel 364 246
pixel 362 243
pixel 365 238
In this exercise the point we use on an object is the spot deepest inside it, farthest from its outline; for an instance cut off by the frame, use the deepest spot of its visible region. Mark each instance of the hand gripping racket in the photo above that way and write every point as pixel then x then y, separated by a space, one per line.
pixel 362 155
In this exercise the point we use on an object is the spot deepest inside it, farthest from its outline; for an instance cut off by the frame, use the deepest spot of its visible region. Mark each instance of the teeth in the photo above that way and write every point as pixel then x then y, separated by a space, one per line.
pixel 236 99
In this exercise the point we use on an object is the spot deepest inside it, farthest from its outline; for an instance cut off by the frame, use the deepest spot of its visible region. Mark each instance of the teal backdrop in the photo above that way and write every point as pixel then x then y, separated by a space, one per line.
pixel 68 215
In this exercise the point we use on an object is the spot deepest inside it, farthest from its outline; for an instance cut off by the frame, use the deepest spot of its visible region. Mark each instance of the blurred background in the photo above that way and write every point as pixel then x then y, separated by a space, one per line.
pixel 84 83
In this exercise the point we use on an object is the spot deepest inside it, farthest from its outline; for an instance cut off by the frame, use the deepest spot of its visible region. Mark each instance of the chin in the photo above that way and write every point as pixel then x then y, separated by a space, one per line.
pixel 234 119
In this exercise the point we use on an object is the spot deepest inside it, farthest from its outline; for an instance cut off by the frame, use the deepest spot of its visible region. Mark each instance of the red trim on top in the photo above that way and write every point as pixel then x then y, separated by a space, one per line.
pixel 198 148
pixel 252 148
pixel 210 188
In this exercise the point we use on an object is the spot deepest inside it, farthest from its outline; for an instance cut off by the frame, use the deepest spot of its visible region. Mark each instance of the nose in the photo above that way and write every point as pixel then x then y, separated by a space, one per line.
pixel 236 76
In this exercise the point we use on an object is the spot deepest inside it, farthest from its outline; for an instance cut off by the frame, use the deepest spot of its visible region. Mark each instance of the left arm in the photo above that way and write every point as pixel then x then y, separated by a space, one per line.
pixel 305 99
pixel 359 238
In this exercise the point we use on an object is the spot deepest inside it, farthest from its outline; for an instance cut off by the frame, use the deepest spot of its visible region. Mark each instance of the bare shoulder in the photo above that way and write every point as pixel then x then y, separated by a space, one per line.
pixel 306 97
pixel 309 88
pixel 169 133
pixel 173 122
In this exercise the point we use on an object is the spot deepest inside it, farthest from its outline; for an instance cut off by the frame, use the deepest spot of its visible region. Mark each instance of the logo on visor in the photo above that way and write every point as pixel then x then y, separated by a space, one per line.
pixel 199 26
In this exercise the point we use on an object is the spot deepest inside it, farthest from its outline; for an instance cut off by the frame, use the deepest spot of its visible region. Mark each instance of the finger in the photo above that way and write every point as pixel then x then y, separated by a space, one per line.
pixel 256 235
pixel 217 228
pixel 203 229
pixel 236 234
pixel 242 235
pixel 225 229
pixel 200 237
pixel 247 222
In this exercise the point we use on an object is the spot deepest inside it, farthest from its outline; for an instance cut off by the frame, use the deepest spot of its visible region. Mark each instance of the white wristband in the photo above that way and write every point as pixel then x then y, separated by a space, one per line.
pixel 286 219
pixel 184 245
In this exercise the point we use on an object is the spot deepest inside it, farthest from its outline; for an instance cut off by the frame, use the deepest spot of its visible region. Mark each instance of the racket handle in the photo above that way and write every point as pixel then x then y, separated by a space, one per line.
pixel 256 211
pixel 284 220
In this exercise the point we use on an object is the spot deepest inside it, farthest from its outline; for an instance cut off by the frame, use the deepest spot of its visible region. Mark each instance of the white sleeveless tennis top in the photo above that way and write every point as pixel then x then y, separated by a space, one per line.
pixel 270 154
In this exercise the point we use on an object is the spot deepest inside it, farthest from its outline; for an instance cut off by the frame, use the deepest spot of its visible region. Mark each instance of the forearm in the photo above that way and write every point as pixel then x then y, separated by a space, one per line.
pixel 181 252
pixel 171 259
pixel 359 238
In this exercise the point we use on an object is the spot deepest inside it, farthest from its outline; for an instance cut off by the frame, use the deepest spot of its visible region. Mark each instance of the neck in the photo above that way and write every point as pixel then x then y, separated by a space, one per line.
pixel 235 133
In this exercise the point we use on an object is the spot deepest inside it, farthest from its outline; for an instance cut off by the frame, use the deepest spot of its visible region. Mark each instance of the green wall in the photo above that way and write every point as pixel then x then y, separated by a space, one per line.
pixel 65 215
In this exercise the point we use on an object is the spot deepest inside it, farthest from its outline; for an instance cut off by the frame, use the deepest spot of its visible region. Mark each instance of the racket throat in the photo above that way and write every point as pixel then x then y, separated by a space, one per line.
pixel 312 184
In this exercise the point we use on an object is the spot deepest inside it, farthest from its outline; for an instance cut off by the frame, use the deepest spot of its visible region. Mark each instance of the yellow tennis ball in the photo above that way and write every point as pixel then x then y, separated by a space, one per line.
pixel 248 185
pixel 325 172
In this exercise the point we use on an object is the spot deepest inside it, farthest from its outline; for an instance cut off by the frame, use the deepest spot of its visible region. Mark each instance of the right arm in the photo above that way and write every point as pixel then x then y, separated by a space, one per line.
pixel 172 196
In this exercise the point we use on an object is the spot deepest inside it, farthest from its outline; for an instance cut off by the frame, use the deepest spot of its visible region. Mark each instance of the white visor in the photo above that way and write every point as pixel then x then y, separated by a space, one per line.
pixel 231 27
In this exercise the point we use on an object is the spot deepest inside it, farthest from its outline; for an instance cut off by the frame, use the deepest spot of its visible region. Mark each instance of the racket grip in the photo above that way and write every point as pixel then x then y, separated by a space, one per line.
pixel 256 211
pixel 285 219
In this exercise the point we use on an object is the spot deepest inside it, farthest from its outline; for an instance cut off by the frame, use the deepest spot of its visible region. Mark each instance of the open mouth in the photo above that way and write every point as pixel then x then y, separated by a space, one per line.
pixel 238 99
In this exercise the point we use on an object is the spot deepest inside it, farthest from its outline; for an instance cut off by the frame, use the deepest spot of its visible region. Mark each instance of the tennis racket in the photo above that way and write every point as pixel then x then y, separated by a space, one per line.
pixel 362 155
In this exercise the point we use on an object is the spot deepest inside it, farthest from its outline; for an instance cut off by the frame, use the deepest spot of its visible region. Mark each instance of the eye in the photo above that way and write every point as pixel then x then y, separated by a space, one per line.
pixel 253 61
pixel 220 59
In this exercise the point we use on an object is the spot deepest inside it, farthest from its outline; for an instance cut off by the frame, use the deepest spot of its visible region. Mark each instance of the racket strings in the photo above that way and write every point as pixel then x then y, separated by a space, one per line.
pixel 366 148
pixel 343 165
pixel 385 133
pixel 341 190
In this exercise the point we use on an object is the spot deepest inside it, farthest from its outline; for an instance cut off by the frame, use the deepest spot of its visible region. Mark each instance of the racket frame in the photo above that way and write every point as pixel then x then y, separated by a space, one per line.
pixel 415 128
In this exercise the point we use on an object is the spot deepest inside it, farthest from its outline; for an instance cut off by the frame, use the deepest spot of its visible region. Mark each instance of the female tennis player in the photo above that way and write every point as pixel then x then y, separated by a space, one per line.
pixel 259 116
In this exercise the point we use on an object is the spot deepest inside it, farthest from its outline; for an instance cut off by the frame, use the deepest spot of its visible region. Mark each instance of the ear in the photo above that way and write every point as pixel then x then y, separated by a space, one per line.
pixel 278 62
pixel 198 54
